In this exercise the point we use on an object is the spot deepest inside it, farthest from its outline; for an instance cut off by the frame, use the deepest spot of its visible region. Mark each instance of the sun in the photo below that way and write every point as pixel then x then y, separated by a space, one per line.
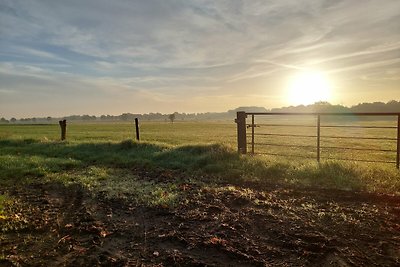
pixel 308 87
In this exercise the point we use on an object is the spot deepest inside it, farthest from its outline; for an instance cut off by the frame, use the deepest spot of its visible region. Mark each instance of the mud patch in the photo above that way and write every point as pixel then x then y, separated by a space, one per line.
pixel 229 226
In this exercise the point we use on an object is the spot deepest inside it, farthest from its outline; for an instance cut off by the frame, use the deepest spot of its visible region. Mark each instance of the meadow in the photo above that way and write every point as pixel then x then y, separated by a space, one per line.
pixel 199 149
pixel 183 196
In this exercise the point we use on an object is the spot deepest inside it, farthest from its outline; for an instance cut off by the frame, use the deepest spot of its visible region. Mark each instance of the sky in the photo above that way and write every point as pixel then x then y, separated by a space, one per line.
pixel 98 57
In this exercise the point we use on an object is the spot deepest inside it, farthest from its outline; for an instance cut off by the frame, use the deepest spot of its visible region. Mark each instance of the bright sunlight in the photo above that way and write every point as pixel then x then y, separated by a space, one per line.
pixel 308 87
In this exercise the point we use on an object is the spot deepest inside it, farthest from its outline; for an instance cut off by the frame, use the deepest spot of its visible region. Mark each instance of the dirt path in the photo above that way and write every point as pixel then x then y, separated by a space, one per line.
pixel 58 226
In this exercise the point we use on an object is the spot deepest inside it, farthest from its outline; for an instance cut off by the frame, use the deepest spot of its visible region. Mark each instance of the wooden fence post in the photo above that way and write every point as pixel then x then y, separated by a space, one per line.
pixel 241 131
pixel 63 126
pixel 137 128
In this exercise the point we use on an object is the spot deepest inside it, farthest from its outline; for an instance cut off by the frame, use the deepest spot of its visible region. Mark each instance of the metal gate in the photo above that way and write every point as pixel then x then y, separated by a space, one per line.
pixel 388 144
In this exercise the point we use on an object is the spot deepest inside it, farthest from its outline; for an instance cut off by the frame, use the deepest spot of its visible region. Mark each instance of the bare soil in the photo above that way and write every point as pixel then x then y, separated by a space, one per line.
pixel 55 225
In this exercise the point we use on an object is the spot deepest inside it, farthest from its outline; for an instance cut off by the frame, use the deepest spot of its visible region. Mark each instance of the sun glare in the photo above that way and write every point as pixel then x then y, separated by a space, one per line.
pixel 307 88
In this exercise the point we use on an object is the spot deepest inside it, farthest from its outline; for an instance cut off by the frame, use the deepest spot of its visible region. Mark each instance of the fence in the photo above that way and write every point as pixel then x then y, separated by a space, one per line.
pixel 243 143
pixel 63 126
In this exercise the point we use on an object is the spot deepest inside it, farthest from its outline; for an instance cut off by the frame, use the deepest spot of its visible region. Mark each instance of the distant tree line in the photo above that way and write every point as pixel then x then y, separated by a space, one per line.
pixel 391 106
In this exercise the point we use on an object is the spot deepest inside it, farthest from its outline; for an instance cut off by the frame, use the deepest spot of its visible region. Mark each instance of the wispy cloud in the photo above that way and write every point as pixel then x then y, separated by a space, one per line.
pixel 187 51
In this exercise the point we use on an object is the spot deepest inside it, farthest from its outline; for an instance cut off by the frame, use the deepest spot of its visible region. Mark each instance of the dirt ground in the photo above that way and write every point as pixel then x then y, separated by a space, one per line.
pixel 58 226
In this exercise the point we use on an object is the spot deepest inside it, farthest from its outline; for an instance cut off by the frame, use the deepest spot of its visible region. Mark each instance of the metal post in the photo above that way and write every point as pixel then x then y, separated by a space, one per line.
pixel 318 138
pixel 252 134
pixel 398 142
pixel 241 132
pixel 137 128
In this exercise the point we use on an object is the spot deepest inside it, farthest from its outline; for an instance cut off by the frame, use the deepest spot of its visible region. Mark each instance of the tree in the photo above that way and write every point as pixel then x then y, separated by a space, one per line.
pixel 13 120
pixel 171 117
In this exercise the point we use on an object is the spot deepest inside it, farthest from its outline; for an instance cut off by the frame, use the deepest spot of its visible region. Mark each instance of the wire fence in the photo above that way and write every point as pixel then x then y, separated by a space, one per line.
pixel 363 137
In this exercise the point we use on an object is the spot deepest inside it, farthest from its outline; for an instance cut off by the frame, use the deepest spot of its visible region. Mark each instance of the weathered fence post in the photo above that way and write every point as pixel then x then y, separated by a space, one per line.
pixel 63 126
pixel 241 131
pixel 137 128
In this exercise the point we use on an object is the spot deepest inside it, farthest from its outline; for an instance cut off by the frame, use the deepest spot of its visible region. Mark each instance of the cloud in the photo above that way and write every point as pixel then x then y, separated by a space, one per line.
pixel 184 48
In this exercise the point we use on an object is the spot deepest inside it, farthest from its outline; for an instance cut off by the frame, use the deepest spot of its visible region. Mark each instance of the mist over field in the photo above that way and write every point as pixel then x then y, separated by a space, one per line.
pixel 391 106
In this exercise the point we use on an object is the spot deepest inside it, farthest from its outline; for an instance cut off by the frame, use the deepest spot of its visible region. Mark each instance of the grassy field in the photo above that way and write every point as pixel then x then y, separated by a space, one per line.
pixel 183 196
pixel 103 154
pixel 178 133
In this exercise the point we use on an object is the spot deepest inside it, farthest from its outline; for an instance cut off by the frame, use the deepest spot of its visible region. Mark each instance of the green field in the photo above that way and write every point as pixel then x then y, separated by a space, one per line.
pixel 178 133
pixel 101 155
pixel 183 192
